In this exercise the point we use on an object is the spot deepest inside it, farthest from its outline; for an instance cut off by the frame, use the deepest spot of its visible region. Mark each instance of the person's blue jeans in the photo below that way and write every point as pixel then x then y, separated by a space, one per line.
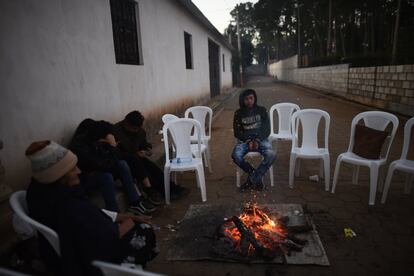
pixel 265 149
pixel 105 183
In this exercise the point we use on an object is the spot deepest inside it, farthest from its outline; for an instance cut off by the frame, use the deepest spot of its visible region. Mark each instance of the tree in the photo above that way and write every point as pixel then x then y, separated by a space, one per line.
pixel 247 32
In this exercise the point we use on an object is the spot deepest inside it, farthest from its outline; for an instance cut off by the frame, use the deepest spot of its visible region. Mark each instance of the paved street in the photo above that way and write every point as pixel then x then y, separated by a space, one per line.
pixel 384 244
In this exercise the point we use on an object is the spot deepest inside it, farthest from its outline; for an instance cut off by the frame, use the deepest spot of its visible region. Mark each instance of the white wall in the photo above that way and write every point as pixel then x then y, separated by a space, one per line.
pixel 57 67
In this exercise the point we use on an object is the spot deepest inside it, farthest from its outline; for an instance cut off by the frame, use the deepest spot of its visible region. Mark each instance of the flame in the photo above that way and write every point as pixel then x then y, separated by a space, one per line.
pixel 267 231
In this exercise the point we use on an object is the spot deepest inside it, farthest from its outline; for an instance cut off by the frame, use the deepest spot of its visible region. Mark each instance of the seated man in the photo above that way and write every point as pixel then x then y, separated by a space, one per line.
pixel 86 233
pixel 133 142
pixel 101 163
pixel 251 127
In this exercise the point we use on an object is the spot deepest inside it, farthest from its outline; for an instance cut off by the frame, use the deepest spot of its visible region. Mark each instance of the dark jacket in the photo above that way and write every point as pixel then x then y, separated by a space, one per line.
pixel 95 156
pixel 85 232
pixel 131 142
pixel 250 123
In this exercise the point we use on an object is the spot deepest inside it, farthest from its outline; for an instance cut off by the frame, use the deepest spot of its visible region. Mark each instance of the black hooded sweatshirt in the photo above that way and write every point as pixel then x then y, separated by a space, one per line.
pixel 250 123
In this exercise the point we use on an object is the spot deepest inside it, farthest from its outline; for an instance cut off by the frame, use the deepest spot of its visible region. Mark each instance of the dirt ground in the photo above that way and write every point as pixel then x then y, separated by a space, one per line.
pixel 384 244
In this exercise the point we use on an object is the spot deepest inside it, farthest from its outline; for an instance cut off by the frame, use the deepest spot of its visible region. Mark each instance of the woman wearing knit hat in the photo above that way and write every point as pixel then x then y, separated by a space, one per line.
pixel 86 233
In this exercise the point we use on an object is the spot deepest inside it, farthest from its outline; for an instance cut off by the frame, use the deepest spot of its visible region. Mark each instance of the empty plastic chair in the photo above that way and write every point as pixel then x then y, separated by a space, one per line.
pixel 402 164
pixel 378 120
pixel 284 114
pixel 8 272
pixel 181 130
pixel 310 119
pixel 109 269
pixel 194 148
pixel 19 206
pixel 201 113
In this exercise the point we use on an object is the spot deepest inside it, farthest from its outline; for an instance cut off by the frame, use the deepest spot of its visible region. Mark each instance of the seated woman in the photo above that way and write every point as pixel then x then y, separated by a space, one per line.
pixel 101 163
pixel 86 233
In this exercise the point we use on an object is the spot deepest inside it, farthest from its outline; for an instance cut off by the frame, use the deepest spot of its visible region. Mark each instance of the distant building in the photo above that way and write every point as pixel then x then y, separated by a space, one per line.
pixel 63 61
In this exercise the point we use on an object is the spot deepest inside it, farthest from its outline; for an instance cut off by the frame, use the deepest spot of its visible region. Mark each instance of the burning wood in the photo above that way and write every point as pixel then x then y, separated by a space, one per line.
pixel 254 234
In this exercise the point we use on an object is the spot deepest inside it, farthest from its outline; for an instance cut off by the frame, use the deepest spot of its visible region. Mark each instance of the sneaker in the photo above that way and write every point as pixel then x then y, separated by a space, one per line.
pixel 141 207
pixel 258 186
pixel 246 186
pixel 153 196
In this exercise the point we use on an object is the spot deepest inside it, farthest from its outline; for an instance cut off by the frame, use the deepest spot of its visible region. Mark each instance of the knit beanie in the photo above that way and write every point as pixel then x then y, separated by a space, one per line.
pixel 50 161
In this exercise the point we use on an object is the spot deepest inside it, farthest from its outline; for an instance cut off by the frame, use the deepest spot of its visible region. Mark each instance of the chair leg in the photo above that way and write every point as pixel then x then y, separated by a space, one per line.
pixel 201 182
pixel 292 164
pixel 355 175
pixel 210 169
pixel 208 149
pixel 327 171
pixel 167 185
pixel 271 176
pixel 237 176
pixel 297 169
pixel 408 183
pixel 204 155
pixel 321 168
pixel 336 173
pixel 387 183
pixel 373 171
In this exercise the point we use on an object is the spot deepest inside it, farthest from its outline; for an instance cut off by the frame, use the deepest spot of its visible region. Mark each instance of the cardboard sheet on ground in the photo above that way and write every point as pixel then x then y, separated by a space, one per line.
pixel 194 237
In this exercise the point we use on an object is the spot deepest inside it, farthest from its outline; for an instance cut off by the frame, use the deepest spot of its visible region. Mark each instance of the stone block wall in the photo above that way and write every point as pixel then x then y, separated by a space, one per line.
pixel 332 79
pixel 386 87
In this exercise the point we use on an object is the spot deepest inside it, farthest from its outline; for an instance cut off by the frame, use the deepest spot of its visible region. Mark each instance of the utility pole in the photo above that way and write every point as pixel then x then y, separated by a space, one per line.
pixel 328 44
pixel 299 53
pixel 395 40
pixel 239 49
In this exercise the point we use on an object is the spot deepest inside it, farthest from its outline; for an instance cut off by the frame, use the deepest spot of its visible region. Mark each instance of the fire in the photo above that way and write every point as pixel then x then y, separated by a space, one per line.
pixel 266 231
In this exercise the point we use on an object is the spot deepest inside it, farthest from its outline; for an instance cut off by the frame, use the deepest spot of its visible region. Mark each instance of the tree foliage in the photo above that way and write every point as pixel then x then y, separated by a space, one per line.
pixel 362 32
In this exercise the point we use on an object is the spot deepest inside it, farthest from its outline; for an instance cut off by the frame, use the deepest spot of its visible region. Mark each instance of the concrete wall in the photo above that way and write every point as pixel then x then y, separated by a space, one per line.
pixel 389 87
pixel 386 87
pixel 57 67
pixel 282 69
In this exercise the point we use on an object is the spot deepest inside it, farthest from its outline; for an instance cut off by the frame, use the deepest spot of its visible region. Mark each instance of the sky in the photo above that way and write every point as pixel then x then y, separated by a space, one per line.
pixel 218 11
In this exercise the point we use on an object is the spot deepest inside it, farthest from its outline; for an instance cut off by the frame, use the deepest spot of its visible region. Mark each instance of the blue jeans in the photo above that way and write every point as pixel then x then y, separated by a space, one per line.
pixel 265 149
pixel 105 183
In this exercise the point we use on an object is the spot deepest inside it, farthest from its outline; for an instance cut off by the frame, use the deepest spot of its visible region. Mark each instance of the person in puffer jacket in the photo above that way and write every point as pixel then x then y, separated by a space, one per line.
pixel 251 126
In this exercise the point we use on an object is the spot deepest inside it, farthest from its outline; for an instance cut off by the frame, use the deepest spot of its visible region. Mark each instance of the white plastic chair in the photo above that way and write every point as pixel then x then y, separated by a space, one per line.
pixel 8 272
pixel 402 164
pixel 18 204
pixel 251 155
pixel 109 269
pixel 200 113
pixel 284 114
pixel 378 120
pixel 194 147
pixel 180 130
pixel 310 119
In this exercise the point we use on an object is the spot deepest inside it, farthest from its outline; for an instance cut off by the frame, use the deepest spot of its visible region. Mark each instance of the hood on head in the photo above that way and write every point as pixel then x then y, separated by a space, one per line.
pixel 246 93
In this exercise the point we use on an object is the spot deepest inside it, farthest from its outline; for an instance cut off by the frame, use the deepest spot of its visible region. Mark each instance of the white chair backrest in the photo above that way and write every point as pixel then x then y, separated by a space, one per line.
pixel 284 114
pixel 109 269
pixel 7 272
pixel 19 206
pixel 200 113
pixel 168 117
pixel 181 130
pixel 309 119
pixel 407 137
pixel 378 120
